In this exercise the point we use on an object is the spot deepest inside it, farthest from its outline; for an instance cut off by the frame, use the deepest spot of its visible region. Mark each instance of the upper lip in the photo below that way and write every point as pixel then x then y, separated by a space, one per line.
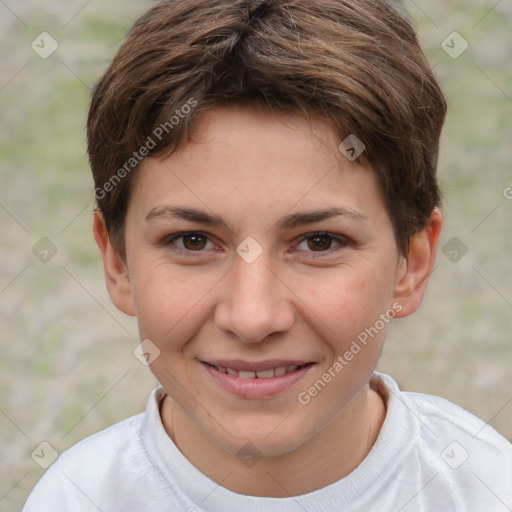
pixel 256 366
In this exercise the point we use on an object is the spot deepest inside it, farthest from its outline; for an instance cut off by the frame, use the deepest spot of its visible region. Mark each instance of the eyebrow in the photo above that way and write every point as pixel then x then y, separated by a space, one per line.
pixel 190 214
pixel 301 218
pixel 289 221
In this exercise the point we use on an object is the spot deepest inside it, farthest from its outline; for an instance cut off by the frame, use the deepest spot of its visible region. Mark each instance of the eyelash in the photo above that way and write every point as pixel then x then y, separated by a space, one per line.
pixel 342 243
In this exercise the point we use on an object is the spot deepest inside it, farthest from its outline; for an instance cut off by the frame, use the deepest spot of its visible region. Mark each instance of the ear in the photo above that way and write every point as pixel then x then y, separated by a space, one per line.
pixel 414 270
pixel 116 271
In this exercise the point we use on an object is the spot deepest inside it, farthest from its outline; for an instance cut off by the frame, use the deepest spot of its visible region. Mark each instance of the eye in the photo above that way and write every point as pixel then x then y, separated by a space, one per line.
pixel 189 242
pixel 321 242
pixel 197 242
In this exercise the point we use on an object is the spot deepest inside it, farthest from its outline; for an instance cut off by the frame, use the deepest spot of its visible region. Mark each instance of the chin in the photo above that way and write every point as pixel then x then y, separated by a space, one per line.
pixel 273 439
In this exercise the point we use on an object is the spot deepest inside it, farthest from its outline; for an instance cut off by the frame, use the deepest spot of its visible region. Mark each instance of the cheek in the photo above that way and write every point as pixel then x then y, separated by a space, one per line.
pixel 169 302
pixel 346 302
pixel 348 312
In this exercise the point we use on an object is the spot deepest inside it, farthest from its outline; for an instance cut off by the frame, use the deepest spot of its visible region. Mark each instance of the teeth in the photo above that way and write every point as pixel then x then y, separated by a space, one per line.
pixel 246 375
pixel 266 374
pixel 278 372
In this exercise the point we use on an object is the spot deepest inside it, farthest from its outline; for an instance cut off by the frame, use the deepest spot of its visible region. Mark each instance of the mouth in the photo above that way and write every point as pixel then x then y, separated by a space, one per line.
pixel 256 380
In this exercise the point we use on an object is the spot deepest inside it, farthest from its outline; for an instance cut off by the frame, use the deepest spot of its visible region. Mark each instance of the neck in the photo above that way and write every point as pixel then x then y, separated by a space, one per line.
pixel 324 459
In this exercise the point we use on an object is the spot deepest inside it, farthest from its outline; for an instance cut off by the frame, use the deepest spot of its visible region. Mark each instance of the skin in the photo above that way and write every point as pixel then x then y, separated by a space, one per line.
pixel 300 299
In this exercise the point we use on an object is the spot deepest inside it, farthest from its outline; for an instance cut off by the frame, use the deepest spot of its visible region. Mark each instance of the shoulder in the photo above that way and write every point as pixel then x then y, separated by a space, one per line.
pixel 92 458
pixel 443 418
pixel 118 440
pixel 99 469
pixel 465 453
pixel 438 418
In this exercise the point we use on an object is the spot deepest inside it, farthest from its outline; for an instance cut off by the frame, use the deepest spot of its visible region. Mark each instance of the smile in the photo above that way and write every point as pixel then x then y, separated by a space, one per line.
pixel 256 380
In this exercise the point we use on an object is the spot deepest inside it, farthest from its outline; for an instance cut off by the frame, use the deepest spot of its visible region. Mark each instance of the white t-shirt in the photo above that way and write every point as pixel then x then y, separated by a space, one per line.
pixel 430 455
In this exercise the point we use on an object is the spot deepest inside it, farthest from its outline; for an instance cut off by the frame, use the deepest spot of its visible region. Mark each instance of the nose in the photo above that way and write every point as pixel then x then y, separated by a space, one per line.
pixel 255 303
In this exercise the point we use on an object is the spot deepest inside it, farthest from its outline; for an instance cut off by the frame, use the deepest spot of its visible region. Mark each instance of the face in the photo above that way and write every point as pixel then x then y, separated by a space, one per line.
pixel 256 256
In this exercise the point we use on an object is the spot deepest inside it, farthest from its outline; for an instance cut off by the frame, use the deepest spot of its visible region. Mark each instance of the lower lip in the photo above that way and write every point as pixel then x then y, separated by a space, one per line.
pixel 257 388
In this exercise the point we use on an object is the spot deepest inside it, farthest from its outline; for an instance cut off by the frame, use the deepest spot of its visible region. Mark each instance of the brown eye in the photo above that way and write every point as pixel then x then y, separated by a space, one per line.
pixel 194 242
pixel 320 242
pixel 189 242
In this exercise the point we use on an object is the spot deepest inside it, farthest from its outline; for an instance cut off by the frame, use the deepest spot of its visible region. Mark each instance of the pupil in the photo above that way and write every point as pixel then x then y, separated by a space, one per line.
pixel 320 242
pixel 192 242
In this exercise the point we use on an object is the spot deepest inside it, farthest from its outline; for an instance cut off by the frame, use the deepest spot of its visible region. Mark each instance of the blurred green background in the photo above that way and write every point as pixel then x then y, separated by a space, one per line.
pixel 66 365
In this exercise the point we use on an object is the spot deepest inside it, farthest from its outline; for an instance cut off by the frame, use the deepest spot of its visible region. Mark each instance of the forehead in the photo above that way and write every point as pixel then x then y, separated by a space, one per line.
pixel 225 124
pixel 241 158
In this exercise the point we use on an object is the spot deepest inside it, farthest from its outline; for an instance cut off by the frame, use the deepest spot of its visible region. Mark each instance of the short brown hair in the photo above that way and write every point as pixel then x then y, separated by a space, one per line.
pixel 354 63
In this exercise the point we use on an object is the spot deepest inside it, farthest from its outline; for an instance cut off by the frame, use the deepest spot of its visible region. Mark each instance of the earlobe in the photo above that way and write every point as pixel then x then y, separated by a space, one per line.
pixel 414 270
pixel 116 272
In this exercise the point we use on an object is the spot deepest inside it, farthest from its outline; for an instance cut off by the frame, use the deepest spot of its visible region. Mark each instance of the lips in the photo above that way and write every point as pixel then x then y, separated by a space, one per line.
pixel 256 380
